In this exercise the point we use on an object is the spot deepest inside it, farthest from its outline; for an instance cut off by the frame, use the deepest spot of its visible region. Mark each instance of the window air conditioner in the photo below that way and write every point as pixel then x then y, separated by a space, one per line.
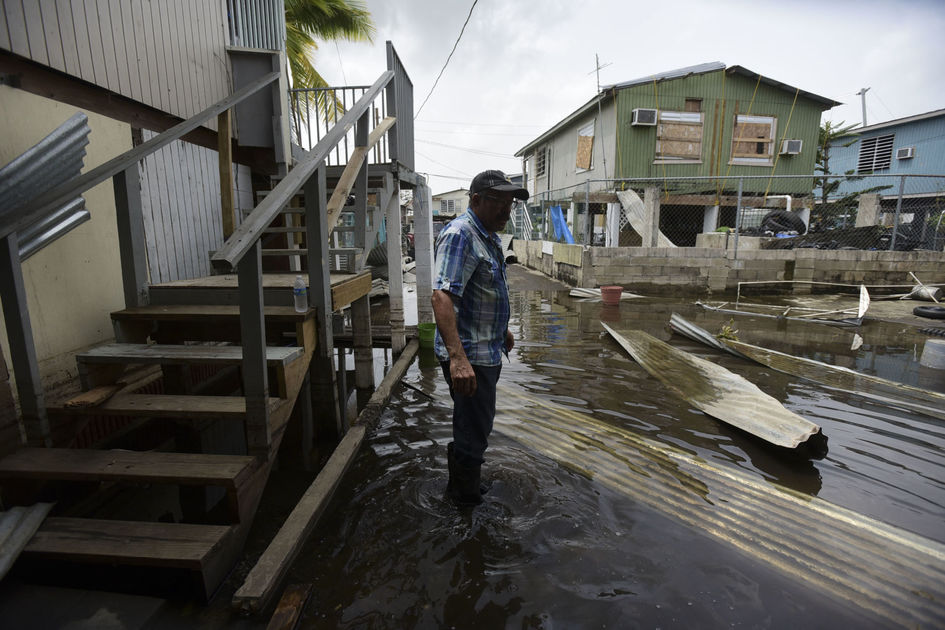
pixel 791 147
pixel 905 153
pixel 643 117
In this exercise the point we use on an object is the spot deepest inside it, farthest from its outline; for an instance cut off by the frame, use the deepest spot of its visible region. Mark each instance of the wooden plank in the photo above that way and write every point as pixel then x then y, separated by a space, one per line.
pixel 34 31
pixel 180 355
pixel 22 527
pixel 92 398
pixel 264 578
pixel 344 293
pixel 188 312
pixel 176 406
pixel 51 30
pixel 290 607
pixel 226 173
pixel 16 28
pixel 180 545
pixel 129 466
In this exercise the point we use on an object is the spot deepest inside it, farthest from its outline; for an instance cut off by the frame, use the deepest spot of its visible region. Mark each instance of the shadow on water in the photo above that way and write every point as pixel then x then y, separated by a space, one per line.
pixel 615 504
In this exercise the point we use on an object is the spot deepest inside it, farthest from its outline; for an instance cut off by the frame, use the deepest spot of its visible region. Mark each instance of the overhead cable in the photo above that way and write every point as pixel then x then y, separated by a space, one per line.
pixel 461 31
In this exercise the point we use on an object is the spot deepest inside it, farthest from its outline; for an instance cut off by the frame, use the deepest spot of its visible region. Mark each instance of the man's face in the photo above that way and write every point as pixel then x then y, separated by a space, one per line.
pixel 493 208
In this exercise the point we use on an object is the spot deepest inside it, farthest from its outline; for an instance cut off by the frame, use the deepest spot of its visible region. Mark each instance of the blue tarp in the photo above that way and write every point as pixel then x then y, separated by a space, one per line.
pixel 560 225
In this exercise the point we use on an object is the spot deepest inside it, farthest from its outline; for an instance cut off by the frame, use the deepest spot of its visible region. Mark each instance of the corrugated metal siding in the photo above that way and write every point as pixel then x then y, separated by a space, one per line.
pixel 168 54
pixel 722 95
pixel 181 204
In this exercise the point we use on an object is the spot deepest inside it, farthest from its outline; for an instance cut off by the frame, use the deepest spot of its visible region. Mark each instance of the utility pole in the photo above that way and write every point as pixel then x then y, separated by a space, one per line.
pixel 862 95
pixel 597 68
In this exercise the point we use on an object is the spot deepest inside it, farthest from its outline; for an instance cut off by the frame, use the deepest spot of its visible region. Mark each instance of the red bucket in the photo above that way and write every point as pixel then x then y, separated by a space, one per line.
pixel 611 295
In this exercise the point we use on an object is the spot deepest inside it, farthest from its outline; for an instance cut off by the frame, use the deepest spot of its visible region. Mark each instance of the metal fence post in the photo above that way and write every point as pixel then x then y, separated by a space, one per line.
pixel 902 185
pixel 738 217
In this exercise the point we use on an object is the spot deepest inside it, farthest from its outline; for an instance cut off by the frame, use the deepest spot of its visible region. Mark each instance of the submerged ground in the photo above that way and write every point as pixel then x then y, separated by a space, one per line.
pixel 613 502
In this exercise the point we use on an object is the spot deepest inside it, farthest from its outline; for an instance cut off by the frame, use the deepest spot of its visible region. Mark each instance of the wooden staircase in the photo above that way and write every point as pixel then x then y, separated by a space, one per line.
pixel 178 345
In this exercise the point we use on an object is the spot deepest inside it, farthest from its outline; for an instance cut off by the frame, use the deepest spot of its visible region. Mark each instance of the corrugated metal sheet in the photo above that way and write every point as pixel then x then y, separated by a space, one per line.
pixel 17 526
pixel 257 23
pixel 890 574
pixel 52 161
pixel 716 391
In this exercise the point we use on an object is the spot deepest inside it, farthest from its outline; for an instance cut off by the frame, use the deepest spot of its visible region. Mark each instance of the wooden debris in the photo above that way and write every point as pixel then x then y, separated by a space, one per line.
pixel 93 397
pixel 290 607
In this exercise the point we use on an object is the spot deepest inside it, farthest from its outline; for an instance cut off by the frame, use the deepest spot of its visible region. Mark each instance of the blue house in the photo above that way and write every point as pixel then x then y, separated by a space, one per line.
pixel 907 155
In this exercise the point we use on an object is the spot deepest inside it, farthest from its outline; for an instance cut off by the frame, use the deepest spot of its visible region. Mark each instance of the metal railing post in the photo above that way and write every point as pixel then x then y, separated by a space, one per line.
pixel 738 217
pixel 902 185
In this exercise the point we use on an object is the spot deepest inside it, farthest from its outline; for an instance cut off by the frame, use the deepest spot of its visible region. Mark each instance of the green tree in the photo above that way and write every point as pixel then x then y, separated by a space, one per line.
pixel 829 135
pixel 308 20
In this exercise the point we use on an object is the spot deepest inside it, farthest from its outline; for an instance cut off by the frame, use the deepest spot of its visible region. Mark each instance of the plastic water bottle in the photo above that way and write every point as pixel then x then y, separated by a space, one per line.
pixel 300 292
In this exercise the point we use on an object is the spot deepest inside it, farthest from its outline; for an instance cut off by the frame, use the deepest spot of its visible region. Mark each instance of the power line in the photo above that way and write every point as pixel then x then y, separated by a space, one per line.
pixel 468 149
pixel 461 31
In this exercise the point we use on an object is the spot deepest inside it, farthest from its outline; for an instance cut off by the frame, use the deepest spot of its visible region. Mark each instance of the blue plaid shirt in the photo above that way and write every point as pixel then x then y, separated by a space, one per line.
pixel 470 266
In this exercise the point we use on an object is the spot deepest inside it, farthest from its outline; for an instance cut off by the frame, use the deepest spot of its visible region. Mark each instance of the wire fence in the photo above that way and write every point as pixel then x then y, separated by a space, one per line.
pixel 866 212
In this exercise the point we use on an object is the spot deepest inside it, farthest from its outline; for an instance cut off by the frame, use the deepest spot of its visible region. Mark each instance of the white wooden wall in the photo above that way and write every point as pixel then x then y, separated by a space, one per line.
pixel 180 190
pixel 169 54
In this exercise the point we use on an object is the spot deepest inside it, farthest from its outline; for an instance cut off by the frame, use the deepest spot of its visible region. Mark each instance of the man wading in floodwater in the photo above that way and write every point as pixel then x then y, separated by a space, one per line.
pixel 471 308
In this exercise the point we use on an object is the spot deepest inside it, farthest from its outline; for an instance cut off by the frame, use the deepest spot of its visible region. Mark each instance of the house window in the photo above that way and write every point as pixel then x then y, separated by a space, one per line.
pixel 540 162
pixel 875 153
pixel 753 139
pixel 679 137
pixel 585 147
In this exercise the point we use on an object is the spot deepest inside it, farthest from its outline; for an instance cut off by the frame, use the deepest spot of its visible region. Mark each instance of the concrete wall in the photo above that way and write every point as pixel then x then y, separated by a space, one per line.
pixel 692 270
pixel 73 284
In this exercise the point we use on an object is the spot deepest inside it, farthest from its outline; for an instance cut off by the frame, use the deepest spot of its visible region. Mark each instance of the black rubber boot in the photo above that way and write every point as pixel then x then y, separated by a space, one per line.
pixel 463 485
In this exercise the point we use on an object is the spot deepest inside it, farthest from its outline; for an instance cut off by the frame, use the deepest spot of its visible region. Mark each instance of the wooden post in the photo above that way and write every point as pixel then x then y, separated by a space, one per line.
pixel 394 268
pixel 317 232
pixel 253 334
pixel 363 351
pixel 651 216
pixel 423 248
pixel 361 190
pixel 225 154
pixel 131 247
pixel 29 386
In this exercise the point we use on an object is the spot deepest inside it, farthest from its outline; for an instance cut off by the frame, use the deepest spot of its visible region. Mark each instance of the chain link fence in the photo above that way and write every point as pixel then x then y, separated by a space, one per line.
pixel 867 212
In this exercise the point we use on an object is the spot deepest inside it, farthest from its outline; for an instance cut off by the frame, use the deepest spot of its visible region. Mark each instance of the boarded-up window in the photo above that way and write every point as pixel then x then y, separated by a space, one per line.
pixel 679 136
pixel 585 147
pixel 753 139
pixel 693 104
pixel 875 153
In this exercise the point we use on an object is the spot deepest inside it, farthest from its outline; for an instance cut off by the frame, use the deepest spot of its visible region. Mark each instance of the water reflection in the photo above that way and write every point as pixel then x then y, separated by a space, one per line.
pixel 614 503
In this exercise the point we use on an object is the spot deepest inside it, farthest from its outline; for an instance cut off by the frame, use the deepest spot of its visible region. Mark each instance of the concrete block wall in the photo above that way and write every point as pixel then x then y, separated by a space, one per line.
pixel 668 270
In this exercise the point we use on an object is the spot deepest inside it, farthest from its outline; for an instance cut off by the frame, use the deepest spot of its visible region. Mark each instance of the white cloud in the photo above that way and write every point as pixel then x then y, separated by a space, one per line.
pixel 521 66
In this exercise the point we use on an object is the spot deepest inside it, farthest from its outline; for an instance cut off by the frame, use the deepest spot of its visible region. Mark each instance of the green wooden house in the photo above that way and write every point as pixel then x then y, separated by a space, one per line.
pixel 708 121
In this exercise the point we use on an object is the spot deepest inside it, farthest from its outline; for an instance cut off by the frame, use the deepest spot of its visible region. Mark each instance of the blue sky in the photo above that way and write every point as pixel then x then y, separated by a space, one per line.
pixel 521 66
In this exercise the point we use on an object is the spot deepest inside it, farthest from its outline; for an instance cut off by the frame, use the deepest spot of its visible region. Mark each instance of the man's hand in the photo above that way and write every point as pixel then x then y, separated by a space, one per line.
pixel 509 341
pixel 463 377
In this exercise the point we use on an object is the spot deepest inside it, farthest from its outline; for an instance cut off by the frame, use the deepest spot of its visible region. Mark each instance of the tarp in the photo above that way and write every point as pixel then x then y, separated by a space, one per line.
pixel 560 225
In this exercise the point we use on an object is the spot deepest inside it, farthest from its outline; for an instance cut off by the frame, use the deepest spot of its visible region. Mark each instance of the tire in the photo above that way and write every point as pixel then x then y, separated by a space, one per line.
pixel 931 312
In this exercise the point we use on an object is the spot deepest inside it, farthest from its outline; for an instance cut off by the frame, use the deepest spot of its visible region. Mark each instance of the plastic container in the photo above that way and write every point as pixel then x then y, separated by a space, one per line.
pixel 610 295
pixel 933 354
pixel 427 332
pixel 300 293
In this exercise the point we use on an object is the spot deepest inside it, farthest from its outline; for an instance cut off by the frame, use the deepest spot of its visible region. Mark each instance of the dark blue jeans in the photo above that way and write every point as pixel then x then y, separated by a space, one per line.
pixel 473 415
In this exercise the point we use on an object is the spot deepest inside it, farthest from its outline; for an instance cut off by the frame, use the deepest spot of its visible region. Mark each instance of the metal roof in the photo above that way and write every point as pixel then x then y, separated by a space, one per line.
pixel 900 121
pixel 702 68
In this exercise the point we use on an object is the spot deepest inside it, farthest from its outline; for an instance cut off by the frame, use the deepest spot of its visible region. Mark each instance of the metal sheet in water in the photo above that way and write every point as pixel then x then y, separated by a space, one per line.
pixel 716 391
pixel 896 575
pixel 889 392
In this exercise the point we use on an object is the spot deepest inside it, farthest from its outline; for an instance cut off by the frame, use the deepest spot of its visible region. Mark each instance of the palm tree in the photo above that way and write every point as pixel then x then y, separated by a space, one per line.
pixel 306 20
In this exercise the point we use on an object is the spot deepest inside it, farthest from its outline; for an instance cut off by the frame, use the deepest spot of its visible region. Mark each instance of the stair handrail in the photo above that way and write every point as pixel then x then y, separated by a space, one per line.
pixel 226 259
pixel 69 190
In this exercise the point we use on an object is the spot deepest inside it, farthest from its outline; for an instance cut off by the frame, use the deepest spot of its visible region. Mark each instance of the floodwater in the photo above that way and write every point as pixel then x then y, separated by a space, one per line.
pixel 615 504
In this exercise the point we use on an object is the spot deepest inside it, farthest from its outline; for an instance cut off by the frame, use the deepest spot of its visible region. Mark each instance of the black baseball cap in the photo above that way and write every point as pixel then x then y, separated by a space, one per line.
pixel 496 180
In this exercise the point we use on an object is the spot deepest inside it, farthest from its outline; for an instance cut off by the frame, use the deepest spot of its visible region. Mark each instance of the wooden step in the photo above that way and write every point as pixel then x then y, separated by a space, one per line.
pixel 285 252
pixel 64 464
pixel 168 354
pixel 285 230
pixel 180 545
pixel 171 406
pixel 186 312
